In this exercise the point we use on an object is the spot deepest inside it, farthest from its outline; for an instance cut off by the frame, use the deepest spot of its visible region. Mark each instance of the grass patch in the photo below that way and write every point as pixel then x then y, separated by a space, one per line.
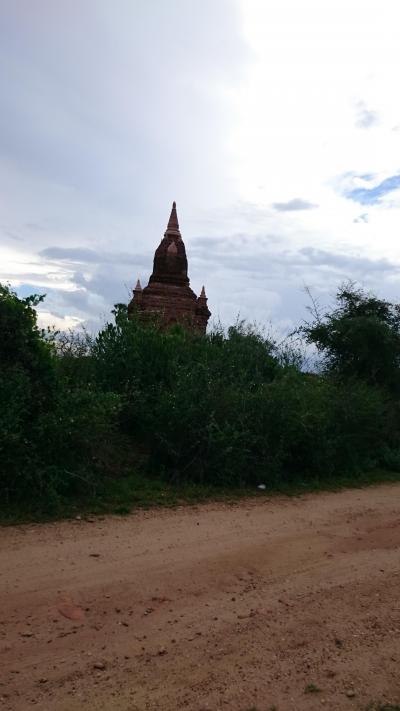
pixel 312 689
pixel 135 491
pixel 121 497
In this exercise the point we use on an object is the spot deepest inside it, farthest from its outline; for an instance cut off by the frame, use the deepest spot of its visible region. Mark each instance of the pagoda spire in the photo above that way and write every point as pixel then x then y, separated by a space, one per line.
pixel 173 224
pixel 168 297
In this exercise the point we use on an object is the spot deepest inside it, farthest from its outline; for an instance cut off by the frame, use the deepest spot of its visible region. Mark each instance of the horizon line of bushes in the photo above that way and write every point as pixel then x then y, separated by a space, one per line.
pixel 229 408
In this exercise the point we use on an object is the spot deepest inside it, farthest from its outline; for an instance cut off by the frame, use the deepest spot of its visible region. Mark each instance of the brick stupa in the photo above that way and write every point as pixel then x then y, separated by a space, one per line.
pixel 168 295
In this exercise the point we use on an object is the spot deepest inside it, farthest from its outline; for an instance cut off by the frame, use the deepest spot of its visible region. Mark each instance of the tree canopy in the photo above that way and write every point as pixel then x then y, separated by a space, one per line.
pixel 359 338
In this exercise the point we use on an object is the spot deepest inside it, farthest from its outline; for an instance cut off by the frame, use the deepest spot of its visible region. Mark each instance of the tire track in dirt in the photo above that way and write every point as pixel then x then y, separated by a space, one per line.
pixel 206 607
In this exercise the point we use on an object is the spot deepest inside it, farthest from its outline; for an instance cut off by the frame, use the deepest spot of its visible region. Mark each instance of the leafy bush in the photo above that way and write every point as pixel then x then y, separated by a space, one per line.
pixel 229 408
pixel 359 338
pixel 51 425
pixel 292 427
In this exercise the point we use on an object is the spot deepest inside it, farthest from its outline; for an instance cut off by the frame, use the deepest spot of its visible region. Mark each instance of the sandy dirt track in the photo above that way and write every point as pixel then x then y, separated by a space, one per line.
pixel 208 607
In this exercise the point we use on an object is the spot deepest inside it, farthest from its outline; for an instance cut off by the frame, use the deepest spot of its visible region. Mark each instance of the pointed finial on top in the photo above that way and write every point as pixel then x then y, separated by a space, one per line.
pixel 138 286
pixel 203 293
pixel 173 218
pixel 173 224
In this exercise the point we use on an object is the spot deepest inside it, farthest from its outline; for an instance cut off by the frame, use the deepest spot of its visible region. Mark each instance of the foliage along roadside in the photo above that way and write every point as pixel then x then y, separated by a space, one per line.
pixel 81 415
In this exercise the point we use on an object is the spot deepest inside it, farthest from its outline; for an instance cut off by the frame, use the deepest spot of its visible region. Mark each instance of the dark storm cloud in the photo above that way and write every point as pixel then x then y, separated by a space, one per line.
pixel 294 205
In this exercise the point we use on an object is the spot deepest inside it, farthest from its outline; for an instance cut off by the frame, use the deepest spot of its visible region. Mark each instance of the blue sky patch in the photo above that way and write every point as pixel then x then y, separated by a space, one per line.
pixel 371 196
pixel 24 290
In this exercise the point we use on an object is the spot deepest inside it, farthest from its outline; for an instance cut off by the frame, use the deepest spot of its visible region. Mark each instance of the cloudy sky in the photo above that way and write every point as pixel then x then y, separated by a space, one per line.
pixel 274 124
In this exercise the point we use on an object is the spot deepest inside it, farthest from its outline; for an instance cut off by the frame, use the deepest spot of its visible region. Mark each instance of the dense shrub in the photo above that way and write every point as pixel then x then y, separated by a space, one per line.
pixel 51 424
pixel 289 428
pixel 228 408
pixel 359 338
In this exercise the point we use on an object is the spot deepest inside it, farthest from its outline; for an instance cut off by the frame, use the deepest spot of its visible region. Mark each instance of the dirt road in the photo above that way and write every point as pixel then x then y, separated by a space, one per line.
pixel 293 603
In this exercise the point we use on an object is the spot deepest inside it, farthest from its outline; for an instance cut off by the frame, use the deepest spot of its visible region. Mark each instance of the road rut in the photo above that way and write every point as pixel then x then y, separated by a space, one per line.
pixel 286 602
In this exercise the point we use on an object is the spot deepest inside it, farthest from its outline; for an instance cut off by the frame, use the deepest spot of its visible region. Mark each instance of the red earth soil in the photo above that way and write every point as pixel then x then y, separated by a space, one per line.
pixel 292 603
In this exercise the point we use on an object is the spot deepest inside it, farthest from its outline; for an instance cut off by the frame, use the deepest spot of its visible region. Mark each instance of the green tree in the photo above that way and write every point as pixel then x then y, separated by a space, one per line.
pixel 53 422
pixel 359 338
pixel 24 347
pixel 27 380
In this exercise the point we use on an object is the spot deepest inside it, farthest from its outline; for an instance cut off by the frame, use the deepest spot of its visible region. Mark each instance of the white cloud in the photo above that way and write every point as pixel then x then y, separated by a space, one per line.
pixel 248 113
pixel 60 323
pixel 365 117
